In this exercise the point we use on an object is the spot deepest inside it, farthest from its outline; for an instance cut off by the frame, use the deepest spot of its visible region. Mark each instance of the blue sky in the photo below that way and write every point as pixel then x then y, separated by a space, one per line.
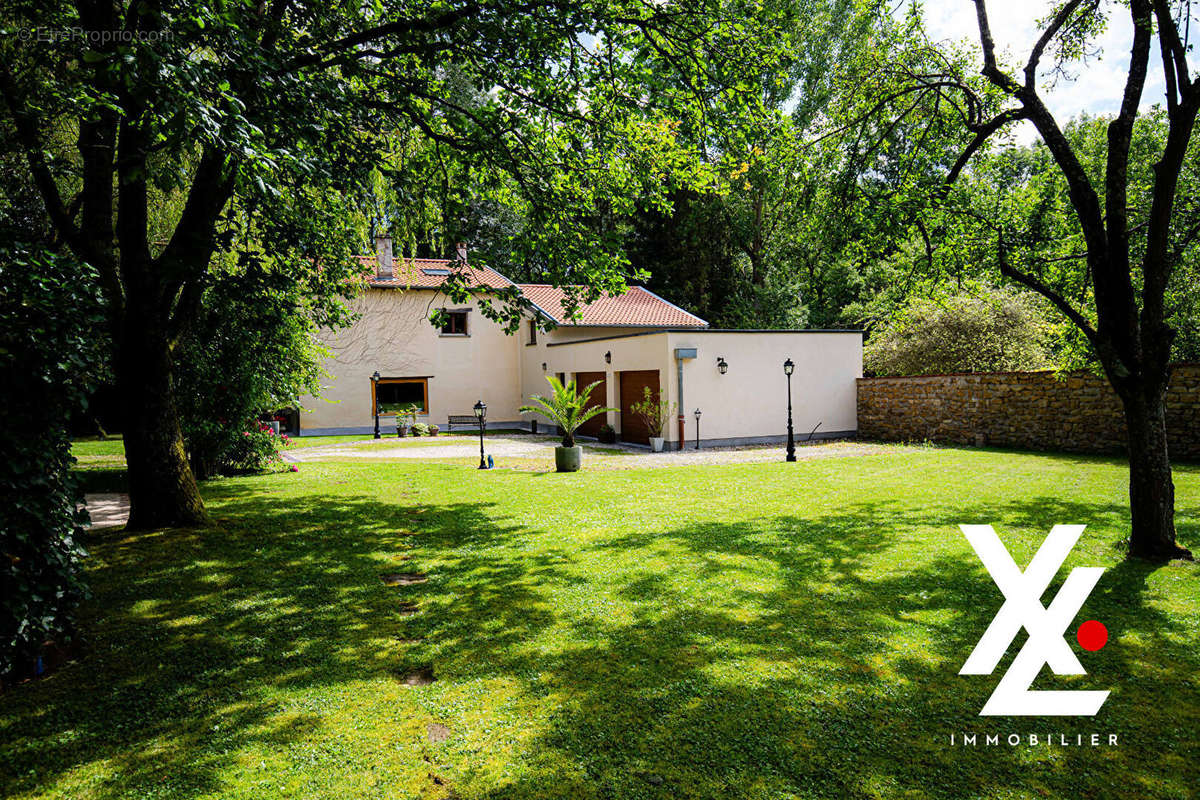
pixel 1099 83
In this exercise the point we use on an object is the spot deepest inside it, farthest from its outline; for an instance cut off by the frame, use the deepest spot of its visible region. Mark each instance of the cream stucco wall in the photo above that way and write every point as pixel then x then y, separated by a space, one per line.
pixel 747 403
pixel 750 400
pixel 394 336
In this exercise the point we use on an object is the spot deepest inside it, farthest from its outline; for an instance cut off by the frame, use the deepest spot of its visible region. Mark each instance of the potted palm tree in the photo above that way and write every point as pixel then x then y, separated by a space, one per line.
pixel 654 414
pixel 566 407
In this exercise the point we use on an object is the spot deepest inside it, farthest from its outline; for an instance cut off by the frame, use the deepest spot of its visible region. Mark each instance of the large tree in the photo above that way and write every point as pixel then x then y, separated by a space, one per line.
pixel 1131 244
pixel 201 101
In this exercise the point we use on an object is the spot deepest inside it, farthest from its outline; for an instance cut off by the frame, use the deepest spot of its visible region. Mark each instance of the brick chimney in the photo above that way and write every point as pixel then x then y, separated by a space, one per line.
pixel 461 249
pixel 383 255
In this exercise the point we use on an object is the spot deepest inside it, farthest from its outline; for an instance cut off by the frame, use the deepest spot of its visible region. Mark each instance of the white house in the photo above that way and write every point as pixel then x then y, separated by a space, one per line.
pixel 734 377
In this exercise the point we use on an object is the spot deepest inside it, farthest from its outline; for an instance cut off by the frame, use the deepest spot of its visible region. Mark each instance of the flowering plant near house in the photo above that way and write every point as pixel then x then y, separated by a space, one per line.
pixel 256 449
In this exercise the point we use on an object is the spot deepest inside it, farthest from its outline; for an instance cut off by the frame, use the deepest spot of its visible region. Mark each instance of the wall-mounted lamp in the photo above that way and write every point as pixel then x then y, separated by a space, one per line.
pixel 722 365
pixel 608 357
pixel 543 366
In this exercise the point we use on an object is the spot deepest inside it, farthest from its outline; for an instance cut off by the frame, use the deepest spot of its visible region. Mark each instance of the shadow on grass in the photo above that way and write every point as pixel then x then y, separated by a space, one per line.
pixel 811 656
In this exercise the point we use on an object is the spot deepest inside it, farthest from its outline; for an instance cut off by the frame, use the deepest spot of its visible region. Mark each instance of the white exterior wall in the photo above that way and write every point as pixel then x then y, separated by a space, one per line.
pixel 750 400
pixel 628 353
pixel 395 337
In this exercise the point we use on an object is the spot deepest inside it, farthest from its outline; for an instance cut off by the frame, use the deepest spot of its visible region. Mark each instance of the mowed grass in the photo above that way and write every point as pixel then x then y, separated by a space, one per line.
pixel 757 630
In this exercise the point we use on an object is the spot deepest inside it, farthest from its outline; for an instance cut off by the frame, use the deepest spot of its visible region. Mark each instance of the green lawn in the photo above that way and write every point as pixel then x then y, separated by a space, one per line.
pixel 759 630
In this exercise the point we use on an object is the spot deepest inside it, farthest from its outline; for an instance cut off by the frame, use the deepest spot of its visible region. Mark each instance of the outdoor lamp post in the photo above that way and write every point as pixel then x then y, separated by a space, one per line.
pixel 696 413
pixel 481 415
pixel 788 369
pixel 375 399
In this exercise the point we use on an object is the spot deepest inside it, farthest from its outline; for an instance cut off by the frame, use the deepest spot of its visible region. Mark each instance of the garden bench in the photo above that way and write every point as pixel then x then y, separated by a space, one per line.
pixel 461 419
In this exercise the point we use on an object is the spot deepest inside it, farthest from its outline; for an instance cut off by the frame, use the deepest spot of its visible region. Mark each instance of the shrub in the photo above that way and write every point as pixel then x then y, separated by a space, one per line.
pixel 607 434
pixel 48 359
pixel 250 354
pixel 990 330
pixel 256 449
pixel 419 429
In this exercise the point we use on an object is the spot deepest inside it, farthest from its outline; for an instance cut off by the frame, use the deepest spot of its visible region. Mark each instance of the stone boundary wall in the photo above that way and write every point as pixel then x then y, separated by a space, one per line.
pixel 1072 412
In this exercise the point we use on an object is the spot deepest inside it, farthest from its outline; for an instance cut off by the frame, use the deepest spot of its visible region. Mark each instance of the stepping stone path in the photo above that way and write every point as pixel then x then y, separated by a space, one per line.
pixel 107 510
pixel 408 608
pixel 404 578
pixel 437 732
pixel 420 677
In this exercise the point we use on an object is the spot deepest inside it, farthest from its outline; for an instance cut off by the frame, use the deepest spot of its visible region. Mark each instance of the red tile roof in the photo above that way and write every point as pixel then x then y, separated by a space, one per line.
pixel 430 273
pixel 638 307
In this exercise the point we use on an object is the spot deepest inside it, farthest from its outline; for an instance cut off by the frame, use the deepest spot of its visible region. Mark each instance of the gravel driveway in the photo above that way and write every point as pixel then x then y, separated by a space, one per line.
pixel 541 449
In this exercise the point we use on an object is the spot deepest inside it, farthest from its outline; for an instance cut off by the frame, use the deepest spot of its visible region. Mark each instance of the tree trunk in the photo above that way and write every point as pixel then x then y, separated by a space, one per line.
pixel 1151 491
pixel 162 489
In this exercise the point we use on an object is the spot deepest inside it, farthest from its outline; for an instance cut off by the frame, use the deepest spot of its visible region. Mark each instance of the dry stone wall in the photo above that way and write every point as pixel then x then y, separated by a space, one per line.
pixel 1073 412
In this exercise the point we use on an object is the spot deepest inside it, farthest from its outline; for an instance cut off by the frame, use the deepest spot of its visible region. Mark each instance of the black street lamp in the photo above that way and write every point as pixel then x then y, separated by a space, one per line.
pixel 481 415
pixel 696 413
pixel 788 368
pixel 375 399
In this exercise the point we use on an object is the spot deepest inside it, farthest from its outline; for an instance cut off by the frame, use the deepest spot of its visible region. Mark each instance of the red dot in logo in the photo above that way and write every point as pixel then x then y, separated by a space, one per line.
pixel 1092 635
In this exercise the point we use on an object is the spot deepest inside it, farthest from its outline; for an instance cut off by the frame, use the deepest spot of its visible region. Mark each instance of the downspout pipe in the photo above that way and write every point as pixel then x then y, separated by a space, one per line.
pixel 681 355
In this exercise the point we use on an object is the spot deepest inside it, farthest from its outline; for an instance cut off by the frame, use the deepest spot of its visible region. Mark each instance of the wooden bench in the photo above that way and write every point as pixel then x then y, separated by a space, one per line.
pixel 460 420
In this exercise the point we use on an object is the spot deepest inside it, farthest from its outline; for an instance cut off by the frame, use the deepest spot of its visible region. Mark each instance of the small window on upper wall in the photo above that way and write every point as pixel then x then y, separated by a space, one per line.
pixel 533 331
pixel 456 323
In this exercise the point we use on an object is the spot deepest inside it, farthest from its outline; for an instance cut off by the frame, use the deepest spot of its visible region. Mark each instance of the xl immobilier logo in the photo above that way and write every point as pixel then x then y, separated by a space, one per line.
pixel 1046 626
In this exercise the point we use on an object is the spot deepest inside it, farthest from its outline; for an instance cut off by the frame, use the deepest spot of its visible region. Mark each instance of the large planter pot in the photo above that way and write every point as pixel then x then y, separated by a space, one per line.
pixel 401 431
pixel 568 459
pixel 656 443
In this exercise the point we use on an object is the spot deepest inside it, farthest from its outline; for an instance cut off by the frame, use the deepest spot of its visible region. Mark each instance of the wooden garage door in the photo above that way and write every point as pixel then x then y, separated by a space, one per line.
pixel 599 397
pixel 633 384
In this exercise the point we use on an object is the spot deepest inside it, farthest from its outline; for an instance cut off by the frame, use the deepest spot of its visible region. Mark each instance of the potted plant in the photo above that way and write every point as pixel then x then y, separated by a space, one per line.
pixel 607 434
pixel 420 429
pixel 567 407
pixel 654 414
pixel 433 430
pixel 406 417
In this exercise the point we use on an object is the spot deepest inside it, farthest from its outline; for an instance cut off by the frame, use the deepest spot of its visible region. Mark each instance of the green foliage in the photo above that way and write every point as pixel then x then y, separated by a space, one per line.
pixel 989 330
pixel 406 415
pixel 49 356
pixel 254 450
pixel 567 407
pixel 654 413
pixel 251 353
pixel 419 429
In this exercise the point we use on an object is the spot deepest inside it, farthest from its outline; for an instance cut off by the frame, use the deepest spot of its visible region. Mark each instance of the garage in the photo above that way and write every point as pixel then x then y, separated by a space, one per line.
pixel 598 397
pixel 633 385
